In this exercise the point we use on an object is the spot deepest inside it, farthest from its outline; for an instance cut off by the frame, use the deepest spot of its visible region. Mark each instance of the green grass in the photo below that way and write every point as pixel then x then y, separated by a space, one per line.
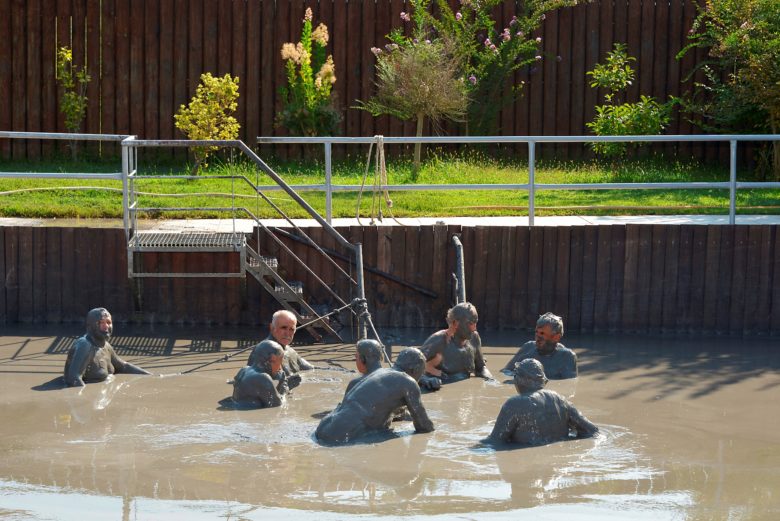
pixel 75 198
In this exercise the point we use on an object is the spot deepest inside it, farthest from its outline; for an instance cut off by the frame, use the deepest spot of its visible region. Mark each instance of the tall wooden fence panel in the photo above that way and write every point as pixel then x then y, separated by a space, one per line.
pixel 146 58
pixel 631 278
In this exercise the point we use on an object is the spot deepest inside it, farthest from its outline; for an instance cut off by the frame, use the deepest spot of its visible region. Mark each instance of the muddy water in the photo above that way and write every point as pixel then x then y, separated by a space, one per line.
pixel 690 430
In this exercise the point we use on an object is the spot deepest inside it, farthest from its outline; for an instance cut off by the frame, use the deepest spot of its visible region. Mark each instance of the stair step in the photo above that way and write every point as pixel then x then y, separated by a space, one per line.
pixel 186 241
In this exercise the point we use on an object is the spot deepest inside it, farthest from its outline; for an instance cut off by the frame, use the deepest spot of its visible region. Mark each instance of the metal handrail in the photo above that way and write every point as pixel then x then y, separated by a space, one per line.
pixel 732 185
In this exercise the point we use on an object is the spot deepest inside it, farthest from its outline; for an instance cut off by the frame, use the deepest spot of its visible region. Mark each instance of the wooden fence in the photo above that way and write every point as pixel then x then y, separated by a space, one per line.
pixel 146 58
pixel 625 278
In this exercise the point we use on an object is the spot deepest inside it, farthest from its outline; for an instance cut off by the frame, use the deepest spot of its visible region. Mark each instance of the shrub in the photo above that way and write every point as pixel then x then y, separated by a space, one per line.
pixel 209 115
pixel 645 117
pixel 310 107
pixel 73 103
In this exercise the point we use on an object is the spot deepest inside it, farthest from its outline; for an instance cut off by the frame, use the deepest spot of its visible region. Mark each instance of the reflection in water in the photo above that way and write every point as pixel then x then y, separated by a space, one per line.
pixel 697 445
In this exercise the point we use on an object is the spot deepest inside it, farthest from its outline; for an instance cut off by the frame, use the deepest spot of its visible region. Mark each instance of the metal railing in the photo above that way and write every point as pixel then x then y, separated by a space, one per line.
pixel 532 186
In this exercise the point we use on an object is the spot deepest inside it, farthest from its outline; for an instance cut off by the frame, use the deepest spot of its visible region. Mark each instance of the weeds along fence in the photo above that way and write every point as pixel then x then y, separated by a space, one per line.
pixel 146 59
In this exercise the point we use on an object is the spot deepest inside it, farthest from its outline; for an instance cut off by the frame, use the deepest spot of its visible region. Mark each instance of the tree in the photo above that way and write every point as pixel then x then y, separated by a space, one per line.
pixel 209 114
pixel 417 79
pixel 309 103
pixel 740 91
pixel 73 81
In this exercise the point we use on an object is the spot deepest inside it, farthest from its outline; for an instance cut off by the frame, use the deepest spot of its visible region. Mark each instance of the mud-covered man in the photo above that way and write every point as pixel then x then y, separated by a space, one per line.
pixel 370 404
pixel 536 415
pixel 454 353
pixel 264 383
pixel 368 358
pixel 91 357
pixel 282 331
pixel 559 362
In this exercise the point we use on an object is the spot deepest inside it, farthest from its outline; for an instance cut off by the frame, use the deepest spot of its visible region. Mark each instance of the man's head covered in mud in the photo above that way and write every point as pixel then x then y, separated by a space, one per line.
pixel 269 356
pixel 465 314
pixel 410 361
pixel 549 330
pixel 99 325
pixel 368 355
pixel 529 376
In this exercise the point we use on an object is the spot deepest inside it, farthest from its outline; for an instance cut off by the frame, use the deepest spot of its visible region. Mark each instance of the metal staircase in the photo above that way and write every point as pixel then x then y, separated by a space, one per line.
pixel 264 269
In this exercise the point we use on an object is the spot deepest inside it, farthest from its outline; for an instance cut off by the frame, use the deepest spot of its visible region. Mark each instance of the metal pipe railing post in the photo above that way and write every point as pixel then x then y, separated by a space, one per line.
pixel 460 271
pixel 361 289
pixel 531 180
pixel 733 181
pixel 328 182
pixel 125 187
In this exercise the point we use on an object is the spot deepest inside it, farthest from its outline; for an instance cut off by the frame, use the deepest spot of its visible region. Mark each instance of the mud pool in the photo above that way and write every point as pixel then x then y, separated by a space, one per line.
pixel 689 430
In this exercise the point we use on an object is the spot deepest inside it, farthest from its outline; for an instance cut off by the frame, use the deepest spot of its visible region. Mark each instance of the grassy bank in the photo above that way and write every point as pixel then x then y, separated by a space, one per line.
pixel 31 197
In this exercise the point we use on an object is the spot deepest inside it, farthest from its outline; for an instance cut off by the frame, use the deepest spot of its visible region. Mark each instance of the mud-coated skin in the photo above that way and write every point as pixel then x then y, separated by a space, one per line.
pixel 370 354
pixel 458 360
pixel 369 405
pixel 559 363
pixel 293 362
pixel 91 358
pixel 254 387
pixel 539 417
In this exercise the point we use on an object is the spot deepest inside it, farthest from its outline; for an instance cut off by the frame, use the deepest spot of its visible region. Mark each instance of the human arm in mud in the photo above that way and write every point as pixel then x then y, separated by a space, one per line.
pixel 506 424
pixel 583 427
pixel 480 367
pixel 76 365
pixel 433 350
pixel 413 401
pixel 255 387
pixel 120 366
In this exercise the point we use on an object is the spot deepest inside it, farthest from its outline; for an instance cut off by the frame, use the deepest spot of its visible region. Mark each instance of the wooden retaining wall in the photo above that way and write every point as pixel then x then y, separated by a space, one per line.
pixel 617 278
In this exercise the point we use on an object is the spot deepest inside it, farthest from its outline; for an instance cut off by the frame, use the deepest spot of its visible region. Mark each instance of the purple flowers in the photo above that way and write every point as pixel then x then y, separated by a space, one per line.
pixel 538 39
pixel 505 35
pixel 406 17
pixel 473 79
pixel 458 16
pixel 376 50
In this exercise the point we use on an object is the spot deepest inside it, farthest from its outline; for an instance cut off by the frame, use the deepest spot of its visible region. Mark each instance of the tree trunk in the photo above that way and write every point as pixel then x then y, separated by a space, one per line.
pixel 417 147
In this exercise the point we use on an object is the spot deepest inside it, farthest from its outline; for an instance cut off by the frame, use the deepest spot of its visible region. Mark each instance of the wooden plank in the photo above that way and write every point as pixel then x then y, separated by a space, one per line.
pixel 367 65
pixel 752 285
pixel 18 84
pixel 25 277
pixel 6 79
pixel 108 73
pixel 136 87
pixel 535 93
pixel 211 37
pixel 550 80
pixel 589 262
pixel 739 279
pixel 563 263
pixel 441 276
pixel 70 311
pixel 578 79
pixel 764 300
pixel 725 286
pixel 169 69
pixel 398 268
pixel 151 82
pixel 89 264
pixel 644 279
pixel 93 61
pixel 519 305
pixel 620 16
pixel 281 35
pixel 535 282
pixel 506 277
pixel 603 267
pixel 774 319
pixel 616 274
pixel 711 278
pixel 656 289
pixel 224 38
pixel 38 286
pixel 123 60
pixel 634 42
pixel 573 319
pixel 11 270
pixel 683 302
pixel 3 306
pixel 491 268
pixel 34 75
pixel 267 54
pixel 250 81
pixel 352 69
pixel 698 279
pixel 563 70
pixel 671 259
pixel 592 96
pixel 549 270
pixel 425 271
pixel 630 279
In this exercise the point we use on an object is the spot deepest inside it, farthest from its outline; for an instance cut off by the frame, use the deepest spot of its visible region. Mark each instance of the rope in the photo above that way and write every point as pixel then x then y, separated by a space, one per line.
pixel 380 193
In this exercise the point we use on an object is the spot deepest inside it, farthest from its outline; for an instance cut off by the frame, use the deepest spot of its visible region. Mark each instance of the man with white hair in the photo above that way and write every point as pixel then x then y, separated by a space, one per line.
pixel 559 362
pixel 282 331
pixel 537 415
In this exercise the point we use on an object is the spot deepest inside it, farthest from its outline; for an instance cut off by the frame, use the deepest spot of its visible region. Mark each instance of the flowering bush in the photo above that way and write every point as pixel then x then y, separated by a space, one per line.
pixel 209 114
pixel 645 117
pixel 741 87
pixel 487 56
pixel 309 104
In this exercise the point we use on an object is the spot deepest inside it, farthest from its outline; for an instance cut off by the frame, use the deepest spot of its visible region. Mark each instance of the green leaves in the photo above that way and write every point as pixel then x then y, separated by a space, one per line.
pixel 73 103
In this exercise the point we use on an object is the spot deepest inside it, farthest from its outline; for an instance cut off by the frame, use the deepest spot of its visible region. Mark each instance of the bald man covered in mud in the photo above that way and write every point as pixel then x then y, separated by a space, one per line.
pixel 282 330
pixel 537 416
pixel 453 354
pixel 91 358
pixel 559 361
pixel 264 383
pixel 369 406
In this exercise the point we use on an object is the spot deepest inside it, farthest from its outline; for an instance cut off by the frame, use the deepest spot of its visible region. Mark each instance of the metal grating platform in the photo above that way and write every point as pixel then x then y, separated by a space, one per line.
pixel 186 241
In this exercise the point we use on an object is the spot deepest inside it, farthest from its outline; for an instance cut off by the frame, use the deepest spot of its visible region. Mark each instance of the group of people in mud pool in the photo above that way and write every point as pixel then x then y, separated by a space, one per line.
pixel 382 394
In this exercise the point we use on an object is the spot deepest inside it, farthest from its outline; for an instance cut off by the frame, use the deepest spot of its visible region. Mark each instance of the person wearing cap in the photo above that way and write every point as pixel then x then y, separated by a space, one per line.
pixel 369 406
pixel 91 358
pixel 454 353
pixel 264 383
pixel 537 415
pixel 559 362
